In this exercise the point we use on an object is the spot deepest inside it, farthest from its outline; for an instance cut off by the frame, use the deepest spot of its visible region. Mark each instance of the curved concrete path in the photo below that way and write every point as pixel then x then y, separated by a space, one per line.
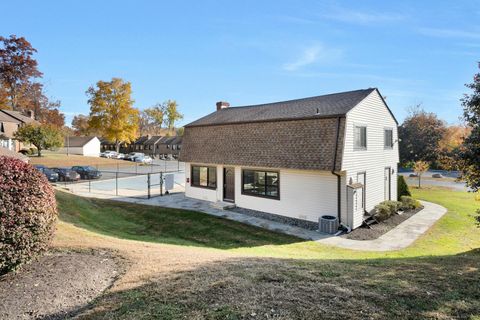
pixel 398 238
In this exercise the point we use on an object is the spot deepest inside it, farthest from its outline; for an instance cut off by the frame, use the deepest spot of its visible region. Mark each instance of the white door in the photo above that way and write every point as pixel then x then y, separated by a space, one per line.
pixel 387 184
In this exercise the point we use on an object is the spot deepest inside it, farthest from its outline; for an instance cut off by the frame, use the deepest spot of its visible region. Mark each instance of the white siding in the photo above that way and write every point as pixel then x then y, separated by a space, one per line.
pixel 304 194
pixel 372 113
pixel 92 148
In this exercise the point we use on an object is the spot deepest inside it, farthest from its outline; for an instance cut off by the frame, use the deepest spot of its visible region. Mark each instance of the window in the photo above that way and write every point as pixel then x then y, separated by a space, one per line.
pixel 261 183
pixel 360 137
pixel 205 177
pixel 388 138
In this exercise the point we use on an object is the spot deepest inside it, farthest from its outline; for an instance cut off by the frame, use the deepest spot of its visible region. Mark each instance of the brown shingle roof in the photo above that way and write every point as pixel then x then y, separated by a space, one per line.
pixel 297 134
pixel 5 117
pixel 330 105
pixel 4 152
pixel 295 144
pixel 19 116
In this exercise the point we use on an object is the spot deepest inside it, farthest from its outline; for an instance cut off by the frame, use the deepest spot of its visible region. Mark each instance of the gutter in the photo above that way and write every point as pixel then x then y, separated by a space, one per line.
pixel 339 181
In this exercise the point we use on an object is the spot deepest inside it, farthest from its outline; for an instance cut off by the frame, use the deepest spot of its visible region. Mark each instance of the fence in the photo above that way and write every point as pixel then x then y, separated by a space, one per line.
pixel 136 182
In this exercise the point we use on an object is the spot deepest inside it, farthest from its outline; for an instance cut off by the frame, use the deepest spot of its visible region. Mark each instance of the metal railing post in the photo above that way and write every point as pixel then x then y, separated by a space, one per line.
pixel 161 184
pixel 89 186
pixel 116 183
pixel 136 166
pixel 148 184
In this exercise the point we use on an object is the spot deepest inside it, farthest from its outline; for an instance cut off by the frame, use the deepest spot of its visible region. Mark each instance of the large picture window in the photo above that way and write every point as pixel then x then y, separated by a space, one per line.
pixel 205 177
pixel 360 137
pixel 261 183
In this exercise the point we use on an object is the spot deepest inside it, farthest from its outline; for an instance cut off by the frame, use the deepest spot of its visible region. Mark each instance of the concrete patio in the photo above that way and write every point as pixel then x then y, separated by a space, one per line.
pixel 396 239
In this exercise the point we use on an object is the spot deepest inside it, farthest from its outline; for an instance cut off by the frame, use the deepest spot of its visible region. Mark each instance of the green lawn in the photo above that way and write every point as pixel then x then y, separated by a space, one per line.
pixel 438 277
pixel 162 225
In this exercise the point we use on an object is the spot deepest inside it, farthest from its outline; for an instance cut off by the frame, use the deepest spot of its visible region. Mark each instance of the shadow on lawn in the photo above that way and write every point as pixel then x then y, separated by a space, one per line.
pixel 408 288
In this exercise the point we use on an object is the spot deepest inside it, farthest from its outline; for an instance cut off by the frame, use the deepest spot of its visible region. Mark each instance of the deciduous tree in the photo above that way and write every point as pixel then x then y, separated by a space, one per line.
pixel 172 114
pixel 112 112
pixel 41 136
pixel 152 119
pixel 470 151
pixel 17 66
pixel 420 167
pixel 420 135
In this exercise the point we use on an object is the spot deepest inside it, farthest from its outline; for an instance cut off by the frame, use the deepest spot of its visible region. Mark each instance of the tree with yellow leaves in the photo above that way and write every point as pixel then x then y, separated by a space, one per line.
pixel 112 112
pixel 420 167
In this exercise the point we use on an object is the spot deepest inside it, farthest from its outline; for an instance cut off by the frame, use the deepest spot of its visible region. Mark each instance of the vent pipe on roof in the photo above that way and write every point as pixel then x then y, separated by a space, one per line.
pixel 222 105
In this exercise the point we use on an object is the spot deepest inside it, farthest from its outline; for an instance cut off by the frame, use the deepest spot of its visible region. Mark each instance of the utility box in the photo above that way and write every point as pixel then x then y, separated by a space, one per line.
pixel 169 181
pixel 355 207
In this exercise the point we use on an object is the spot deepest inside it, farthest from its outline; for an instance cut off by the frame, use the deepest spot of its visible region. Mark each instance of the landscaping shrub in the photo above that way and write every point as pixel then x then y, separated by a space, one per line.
pixel 386 209
pixel 402 187
pixel 28 213
pixel 408 203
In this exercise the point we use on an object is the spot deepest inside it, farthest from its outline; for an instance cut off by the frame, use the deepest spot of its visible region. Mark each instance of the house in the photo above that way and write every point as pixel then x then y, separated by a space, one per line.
pixel 153 146
pixel 85 146
pixel 335 154
pixel 4 152
pixel 10 121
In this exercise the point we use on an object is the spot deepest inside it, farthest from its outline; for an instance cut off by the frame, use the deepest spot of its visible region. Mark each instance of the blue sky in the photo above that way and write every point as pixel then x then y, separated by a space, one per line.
pixel 249 52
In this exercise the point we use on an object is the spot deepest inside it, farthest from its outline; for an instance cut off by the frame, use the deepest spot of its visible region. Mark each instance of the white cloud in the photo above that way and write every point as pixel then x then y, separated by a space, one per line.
pixel 311 55
pixel 449 33
pixel 358 17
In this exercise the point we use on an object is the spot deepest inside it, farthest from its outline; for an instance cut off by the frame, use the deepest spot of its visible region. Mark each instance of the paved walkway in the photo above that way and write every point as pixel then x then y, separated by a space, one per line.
pixel 398 238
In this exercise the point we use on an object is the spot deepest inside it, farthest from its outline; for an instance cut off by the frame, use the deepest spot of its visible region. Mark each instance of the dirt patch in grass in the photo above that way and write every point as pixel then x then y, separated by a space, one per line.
pixel 379 229
pixel 57 284
pixel 253 288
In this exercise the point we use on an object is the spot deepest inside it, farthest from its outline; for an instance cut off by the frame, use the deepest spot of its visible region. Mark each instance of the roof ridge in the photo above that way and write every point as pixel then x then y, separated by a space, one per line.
pixel 299 99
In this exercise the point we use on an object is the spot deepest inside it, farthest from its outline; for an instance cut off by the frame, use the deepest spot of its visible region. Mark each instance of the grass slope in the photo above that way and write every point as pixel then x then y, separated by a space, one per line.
pixel 438 277
pixel 162 225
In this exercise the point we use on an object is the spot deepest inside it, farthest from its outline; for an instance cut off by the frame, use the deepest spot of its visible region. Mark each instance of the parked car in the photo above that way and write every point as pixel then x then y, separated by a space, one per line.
pixel 87 172
pixel 51 175
pixel 143 159
pixel 170 157
pixel 162 157
pixel 413 175
pixel 133 155
pixel 437 175
pixel 109 154
pixel 66 174
pixel 120 156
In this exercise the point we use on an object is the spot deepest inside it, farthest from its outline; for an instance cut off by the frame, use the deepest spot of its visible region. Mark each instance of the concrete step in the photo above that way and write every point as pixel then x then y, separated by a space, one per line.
pixel 222 205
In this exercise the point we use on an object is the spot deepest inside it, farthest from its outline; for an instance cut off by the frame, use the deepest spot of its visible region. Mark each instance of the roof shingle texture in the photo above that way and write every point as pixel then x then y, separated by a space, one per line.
pixel 297 144
pixel 76 141
pixel 329 105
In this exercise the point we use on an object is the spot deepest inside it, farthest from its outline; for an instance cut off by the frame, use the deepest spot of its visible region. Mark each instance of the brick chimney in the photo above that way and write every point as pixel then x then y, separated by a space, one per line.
pixel 222 105
pixel 31 114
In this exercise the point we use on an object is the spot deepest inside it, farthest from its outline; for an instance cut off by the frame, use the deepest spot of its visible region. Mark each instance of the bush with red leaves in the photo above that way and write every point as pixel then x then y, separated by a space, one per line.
pixel 28 212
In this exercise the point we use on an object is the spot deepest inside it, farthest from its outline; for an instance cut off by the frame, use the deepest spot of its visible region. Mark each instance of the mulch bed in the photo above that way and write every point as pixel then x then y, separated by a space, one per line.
pixel 379 229
pixel 57 285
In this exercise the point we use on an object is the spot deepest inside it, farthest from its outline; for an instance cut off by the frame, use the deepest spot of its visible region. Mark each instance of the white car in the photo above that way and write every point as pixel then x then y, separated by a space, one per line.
pixel 108 154
pixel 120 156
pixel 143 159
pixel 132 155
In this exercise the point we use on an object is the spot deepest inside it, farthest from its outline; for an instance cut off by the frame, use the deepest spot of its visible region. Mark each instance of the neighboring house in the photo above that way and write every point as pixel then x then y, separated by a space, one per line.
pixel 154 146
pixel 334 154
pixel 4 152
pixel 85 146
pixel 10 121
